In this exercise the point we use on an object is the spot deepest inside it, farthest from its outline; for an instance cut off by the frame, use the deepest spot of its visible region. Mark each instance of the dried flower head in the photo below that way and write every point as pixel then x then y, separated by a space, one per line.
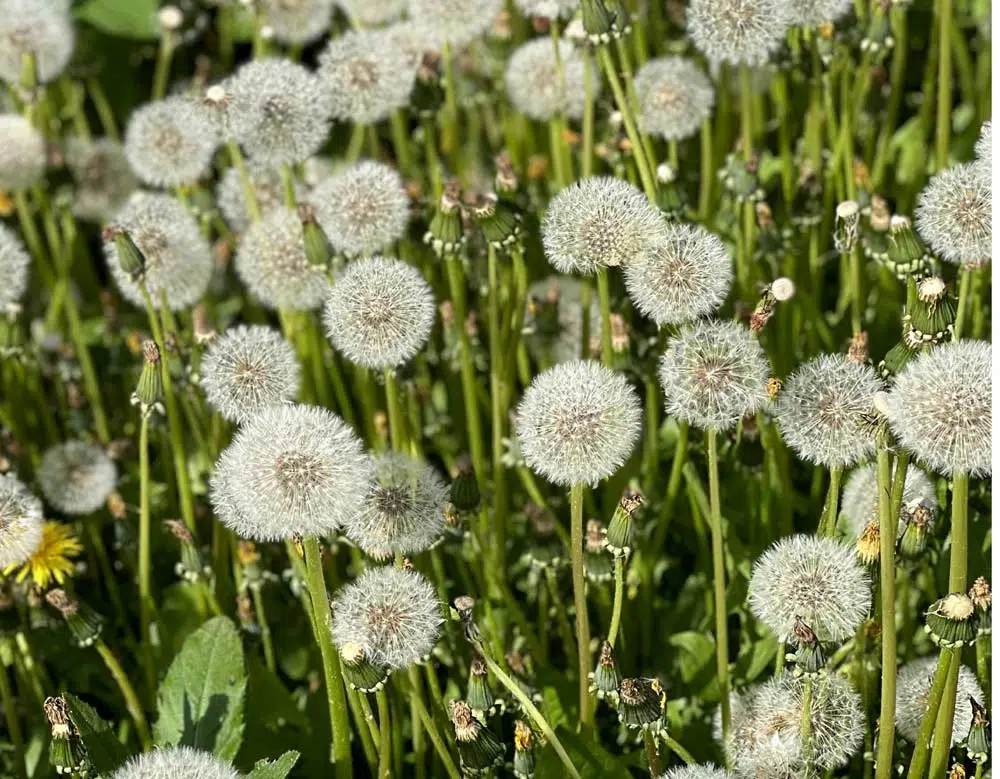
pixel 176 763
pixel 674 96
pixel 859 505
pixel 540 87
pixel 707 771
pixel 369 14
pixel 297 22
pixel 14 264
pixel 599 222
pixel 456 22
pixel 940 407
pixel 984 149
pixel 103 178
pixel 822 410
pixel 76 477
pixel 738 32
pixel 810 13
pixel 955 215
pixel 813 578
pixel 913 687
pixel 392 613
pixel 22 153
pixel 20 522
pixel 171 142
pixel 290 470
pixel 380 312
pixel 713 374
pixel 42 29
pixel 554 319
pixel 249 368
pixel 578 422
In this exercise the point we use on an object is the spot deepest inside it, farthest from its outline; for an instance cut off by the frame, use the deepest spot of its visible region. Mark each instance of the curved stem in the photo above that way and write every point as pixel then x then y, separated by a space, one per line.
pixel 719 576
pixel 427 721
pixel 887 585
pixel 580 601
pixel 128 692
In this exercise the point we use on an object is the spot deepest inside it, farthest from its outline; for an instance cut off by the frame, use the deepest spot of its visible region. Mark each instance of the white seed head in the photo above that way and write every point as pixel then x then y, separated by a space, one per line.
pixel 22 153
pixel 814 578
pixel 599 222
pixel 880 402
pixel 216 95
pixel 755 748
pixel 271 261
pixel 674 96
pixel 822 409
pixel 783 289
pixel 707 771
pixel 541 88
pixel 810 13
pixel 76 477
pixel 684 275
pixel 362 208
pixel 369 14
pixel 403 512
pixel 42 29
pixel 170 142
pixel 984 149
pixel 170 18
pixel 248 369
pixel 913 687
pixel 578 422
pixel 859 504
pixel 268 187
pixel 103 177
pixel 456 22
pixel 940 407
pixel 379 313
pixel 14 265
pixel 297 22
pixel 931 288
pixel 176 763
pixel 547 9
pixel 392 613
pixel 738 32
pixel 561 340
pixel 290 469
pixel 713 374
pixel 955 215
pixel 178 258
pixel 21 522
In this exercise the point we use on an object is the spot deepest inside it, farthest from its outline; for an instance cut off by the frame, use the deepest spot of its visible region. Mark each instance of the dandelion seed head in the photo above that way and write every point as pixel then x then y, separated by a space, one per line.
pixel 913 687
pixel 754 748
pixel 540 88
pixel 171 142
pixel 984 149
pixel 104 179
pixel 675 97
pixel 22 153
pixel 369 14
pixel 21 522
pixel 297 22
pixel 706 771
pixel 14 264
pixel 268 188
pixel 42 29
pixel 810 13
pixel 456 22
pixel 783 289
pixel 547 9
pixel 176 763
pixel 859 504
pixel 738 32
pixel 76 477
pixel 955 215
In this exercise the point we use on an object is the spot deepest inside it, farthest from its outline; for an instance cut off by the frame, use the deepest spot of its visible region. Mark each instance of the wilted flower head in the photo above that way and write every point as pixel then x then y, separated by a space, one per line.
pixel 816 579
pixel 403 512
pixel 738 32
pixel 380 312
pixel 367 75
pixel 955 215
pixel 14 264
pixel 297 22
pixel 271 261
pixel 289 470
pixel 540 88
pixel 578 422
pixel 76 476
pixel 555 319
pixel 675 97
pixel 249 368
pixel 984 149
pixel 707 771
pixel 170 142
pixel 176 763
pixel 392 613
pixel 456 22
pixel 713 374
pixel 104 179
pixel 42 29
pixel 20 522
pixel 369 14
pixel 178 259
pixel 809 13
pixel 913 687
pixel 859 505
pixel 822 409
pixel 362 208
pixel 22 153
pixel 598 222
pixel 940 407
pixel 685 274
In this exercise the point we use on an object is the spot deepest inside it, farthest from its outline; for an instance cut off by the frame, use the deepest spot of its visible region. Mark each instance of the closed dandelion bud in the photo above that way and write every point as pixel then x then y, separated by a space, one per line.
pixel 641 703
pixel 479 695
pixel 319 251
pixel 895 360
pixel 445 234
pixel 982 598
pixel 191 567
pixel 596 561
pixel 605 680
pixel 604 20
pixel 621 531
pixel 875 234
pixel 952 621
pixel 500 223
pixel 130 258
pixel 462 608
pixel 84 623
pixel 878 40
pixel 359 671
pixel 524 751
pixel 505 181
pixel 809 657
pixel 66 751
pixel 931 319
pixel 740 179
pixel 907 255
pixel 845 231
pixel 978 742
pixel 917 532
pixel 149 390
pixel 479 751
pixel 464 492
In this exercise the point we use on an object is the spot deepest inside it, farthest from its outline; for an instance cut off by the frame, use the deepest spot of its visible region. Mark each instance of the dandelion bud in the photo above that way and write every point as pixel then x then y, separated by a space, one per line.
pixel 845 234
pixel 741 179
pixel 809 657
pixel 978 742
pixel 479 695
pixel 524 751
pixel 500 223
pixel 604 20
pixel 506 179
pixel 982 597
pixel 641 703
pixel 596 561
pixel 84 623
pixel 463 607
pixel 130 258
pixel 359 672
pixel 913 686
pixel 445 234
pixel 952 621
pixel 319 251
pixel 191 567
pixel 931 318
pixel 605 680
pixel 546 549
pixel 868 544
pixel 66 751
pixel 763 311
pixel 918 529
pixel 621 531
pixel 906 253
pixel 464 492
pixel 479 751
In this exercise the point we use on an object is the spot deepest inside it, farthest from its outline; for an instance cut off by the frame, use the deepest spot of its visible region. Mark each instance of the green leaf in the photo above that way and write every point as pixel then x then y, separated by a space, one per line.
pixel 274 769
pixel 696 658
pixel 201 698
pixel 270 698
pixel 105 751
pixel 136 19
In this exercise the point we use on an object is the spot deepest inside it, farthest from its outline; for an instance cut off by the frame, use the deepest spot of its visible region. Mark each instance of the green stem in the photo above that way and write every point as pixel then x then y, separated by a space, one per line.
pixel 719 577
pixel 942 134
pixel 604 297
pixel 887 585
pixel 397 432
pixel 128 692
pixel 805 726
pixel 428 724
pixel 384 736
pixel 580 601
pixel 707 172
pixel 587 154
pixel 498 413
pixel 265 628
pixel 653 762
pixel 616 608
pixel 249 194
pixel 13 722
pixel 164 56
pixel 145 587
pixel 921 749
pixel 964 298
pixel 828 522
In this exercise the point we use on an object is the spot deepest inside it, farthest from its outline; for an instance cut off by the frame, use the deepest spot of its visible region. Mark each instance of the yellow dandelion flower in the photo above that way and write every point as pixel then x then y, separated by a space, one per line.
pixel 51 560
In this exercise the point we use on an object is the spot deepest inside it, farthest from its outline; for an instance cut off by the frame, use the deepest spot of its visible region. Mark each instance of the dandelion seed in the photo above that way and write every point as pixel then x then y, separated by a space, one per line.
pixel 171 142
pixel 859 505
pixel 76 477
pixel 51 560
pixel 14 265
pixel 104 179
pixel 22 153
pixel 268 187
pixel 675 97
pixel 176 763
pixel 540 87
pixel 738 32
pixel 955 215
pixel 707 771
pixel 913 688
pixel 369 14
pixel 20 522
pixel 810 13
pixel 297 22
pixel 455 22
pixel 554 319
pixel 41 29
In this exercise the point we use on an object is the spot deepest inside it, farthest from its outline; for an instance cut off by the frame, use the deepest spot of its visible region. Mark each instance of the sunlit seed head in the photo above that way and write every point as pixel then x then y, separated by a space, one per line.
pixel 754 747
pixel 547 9
pixel 14 265
pixel 707 771
pixel 297 22
pixel 176 763
pixel 940 407
pixel 178 259
pixel 456 22
pixel 104 180
pixel 555 319
pixel 984 149
pixel 675 97
pixel 540 87
pixel 822 410
pixel 369 14
pixel 810 13
pixel 170 142
pixel 290 469
pixel 713 374
pixel 813 578
pixel 76 477
pixel 859 504
pixel 268 188
pixel 403 512
pixel 392 613
pixel 380 312
pixel 42 29
pixel 578 422
pixel 783 289
pixel 738 32
pixel 22 153
pixel 955 215
pixel 599 222
pixel 913 687
pixel 247 369
pixel 684 275
pixel 21 522
pixel 271 261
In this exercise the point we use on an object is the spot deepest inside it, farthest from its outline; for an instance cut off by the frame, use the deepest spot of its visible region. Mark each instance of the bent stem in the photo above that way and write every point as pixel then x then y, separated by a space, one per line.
pixel 719 576
pixel 128 692
pixel 887 562
pixel 580 601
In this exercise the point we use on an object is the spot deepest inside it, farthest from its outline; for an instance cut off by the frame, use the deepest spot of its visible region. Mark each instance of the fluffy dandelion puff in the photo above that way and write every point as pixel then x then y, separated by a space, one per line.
pixel 913 688
pixel 379 313
pixel 104 179
pixel 403 512
pixel 42 29
pixel 393 614
pixel 22 153
pixel 822 410
pixel 955 215
pixel 170 142
pixel 984 148
pixel 176 763
pixel 178 259
pixel 707 771
pixel 599 222
pixel 367 75
pixel 555 319
pixel 297 22
pixel 754 747
pixel 578 422
pixel 369 14
pixel 290 470
pixel 272 263
pixel 268 187
pixel 20 522
pixel 547 9
pixel 76 477
pixel 675 97
pixel 810 13
pixel 859 505
pixel 456 22
pixel 14 264
pixel 738 32
pixel 362 208
pixel 540 87
pixel 713 374
pixel 247 369
pixel 816 579
pixel 940 407
pixel 684 275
